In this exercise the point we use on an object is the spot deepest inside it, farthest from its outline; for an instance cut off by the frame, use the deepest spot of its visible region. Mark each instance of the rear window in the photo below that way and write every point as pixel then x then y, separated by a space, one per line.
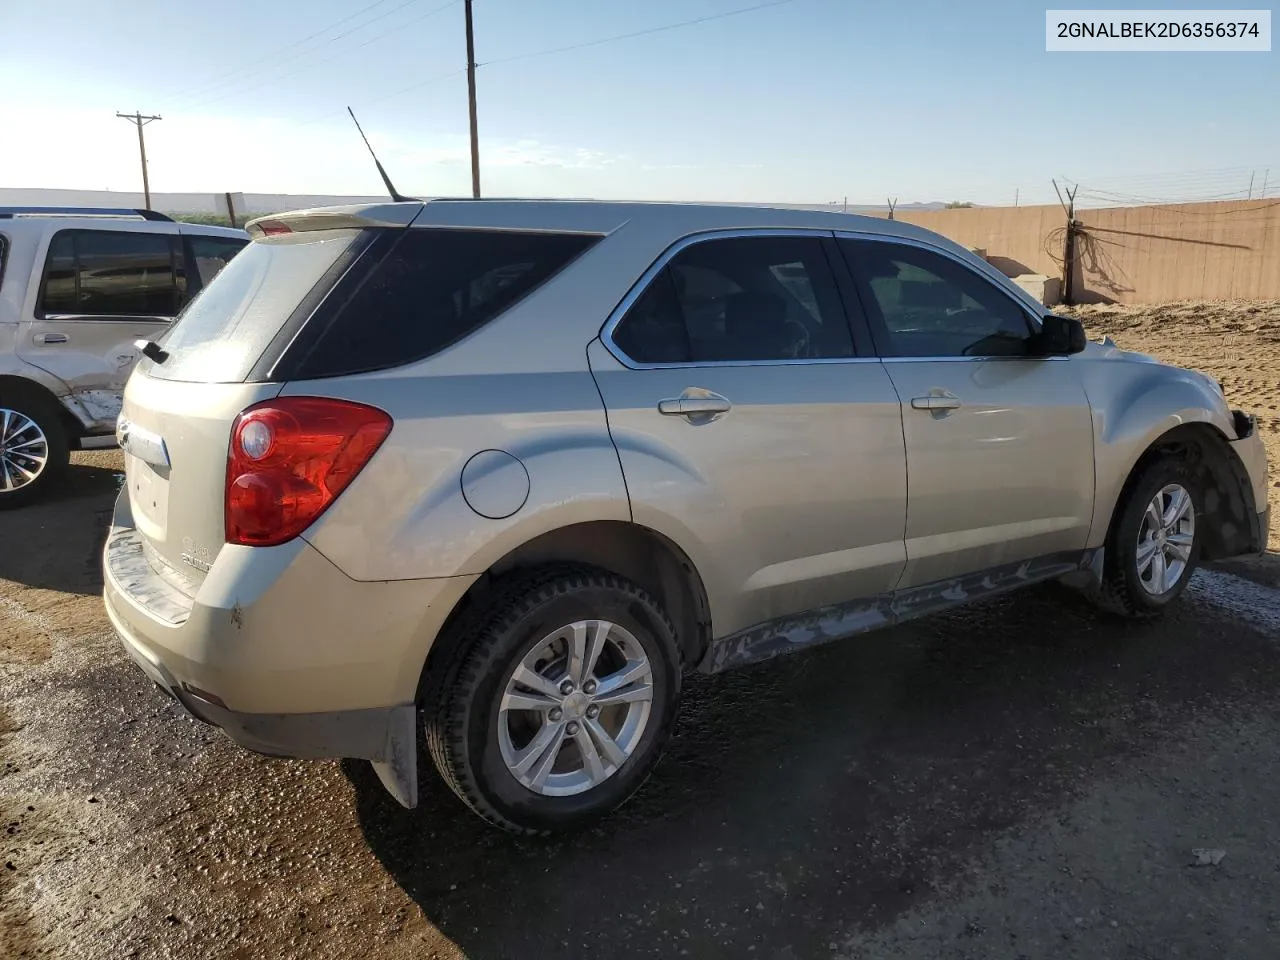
pixel 223 331
pixel 431 288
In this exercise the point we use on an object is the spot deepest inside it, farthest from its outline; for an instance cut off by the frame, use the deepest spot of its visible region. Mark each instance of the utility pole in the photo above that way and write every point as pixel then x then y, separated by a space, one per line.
pixel 471 98
pixel 140 121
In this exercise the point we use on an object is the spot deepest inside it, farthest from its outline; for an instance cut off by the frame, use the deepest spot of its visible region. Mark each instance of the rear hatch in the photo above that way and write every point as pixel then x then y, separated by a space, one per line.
pixel 178 411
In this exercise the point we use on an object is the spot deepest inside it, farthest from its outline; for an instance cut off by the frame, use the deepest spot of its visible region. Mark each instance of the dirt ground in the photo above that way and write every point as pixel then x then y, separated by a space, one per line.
pixel 1022 779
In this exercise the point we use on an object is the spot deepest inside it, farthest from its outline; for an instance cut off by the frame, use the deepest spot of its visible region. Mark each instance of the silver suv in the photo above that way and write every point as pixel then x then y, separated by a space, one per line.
pixel 497 472
pixel 78 287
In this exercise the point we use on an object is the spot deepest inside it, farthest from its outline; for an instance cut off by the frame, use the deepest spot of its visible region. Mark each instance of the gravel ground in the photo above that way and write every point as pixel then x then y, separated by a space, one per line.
pixel 1021 779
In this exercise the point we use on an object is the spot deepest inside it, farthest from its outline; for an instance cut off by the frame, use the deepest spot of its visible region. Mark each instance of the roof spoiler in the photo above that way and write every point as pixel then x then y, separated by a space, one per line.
pixel 356 216
pixel 8 213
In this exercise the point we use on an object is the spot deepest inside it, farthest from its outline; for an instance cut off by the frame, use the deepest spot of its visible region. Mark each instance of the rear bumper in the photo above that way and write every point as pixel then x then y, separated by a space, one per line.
pixel 343 733
pixel 385 736
pixel 282 650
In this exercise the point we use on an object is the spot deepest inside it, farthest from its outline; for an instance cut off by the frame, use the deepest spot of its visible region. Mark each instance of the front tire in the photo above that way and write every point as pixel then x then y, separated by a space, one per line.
pixel 557 702
pixel 1154 543
pixel 34 450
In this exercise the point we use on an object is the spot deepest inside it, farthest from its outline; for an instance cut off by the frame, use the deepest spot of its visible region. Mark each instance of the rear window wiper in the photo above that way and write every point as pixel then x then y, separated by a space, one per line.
pixel 152 350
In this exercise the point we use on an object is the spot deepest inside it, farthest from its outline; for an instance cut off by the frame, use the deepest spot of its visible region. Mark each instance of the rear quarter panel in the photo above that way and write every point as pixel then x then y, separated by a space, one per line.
pixel 406 517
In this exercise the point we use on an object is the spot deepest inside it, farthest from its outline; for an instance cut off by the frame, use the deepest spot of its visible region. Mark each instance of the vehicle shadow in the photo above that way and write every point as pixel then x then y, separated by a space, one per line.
pixel 828 790
pixel 75 515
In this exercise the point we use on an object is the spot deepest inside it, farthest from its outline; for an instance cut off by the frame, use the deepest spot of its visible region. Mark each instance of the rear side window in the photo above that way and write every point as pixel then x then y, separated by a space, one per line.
pixel 739 299
pixel 206 256
pixel 430 289
pixel 223 331
pixel 103 273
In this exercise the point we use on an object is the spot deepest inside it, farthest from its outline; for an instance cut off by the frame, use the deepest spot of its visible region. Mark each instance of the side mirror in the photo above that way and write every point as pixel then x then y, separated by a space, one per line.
pixel 1060 335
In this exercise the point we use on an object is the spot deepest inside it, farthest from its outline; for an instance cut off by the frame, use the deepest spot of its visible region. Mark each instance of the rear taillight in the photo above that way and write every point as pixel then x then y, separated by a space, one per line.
pixel 290 458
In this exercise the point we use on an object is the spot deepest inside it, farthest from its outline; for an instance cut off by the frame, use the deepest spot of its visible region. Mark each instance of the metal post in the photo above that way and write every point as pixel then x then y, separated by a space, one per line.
pixel 1069 249
pixel 471 99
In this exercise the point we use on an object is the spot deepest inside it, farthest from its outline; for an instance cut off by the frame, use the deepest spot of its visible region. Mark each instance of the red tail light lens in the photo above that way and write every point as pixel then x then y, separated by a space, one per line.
pixel 273 228
pixel 290 458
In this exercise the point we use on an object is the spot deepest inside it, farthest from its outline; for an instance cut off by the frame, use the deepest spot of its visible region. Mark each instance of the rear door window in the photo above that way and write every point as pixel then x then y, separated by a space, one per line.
pixel 739 299
pixel 104 273
pixel 427 291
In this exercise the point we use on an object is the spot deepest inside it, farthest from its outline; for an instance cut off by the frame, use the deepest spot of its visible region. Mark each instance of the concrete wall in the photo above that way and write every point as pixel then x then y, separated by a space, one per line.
pixel 1189 251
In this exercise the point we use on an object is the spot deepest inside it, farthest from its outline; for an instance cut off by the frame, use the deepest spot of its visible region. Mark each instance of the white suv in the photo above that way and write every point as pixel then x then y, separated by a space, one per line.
pixel 78 287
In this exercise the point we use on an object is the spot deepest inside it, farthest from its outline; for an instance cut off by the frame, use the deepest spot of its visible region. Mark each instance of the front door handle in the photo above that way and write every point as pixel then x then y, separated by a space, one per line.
pixel 695 404
pixel 50 338
pixel 935 402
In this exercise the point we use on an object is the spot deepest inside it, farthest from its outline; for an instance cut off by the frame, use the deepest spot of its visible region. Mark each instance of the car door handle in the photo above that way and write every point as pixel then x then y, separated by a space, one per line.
pixel 946 402
pixel 699 407
pixel 50 338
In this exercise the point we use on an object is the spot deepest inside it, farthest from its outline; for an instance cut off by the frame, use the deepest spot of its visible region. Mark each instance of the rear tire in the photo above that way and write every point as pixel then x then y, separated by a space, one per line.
pixel 556 702
pixel 34 451
pixel 1153 546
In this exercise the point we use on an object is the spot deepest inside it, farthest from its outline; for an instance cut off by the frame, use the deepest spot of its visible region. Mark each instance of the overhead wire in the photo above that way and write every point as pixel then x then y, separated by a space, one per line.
pixel 574 46
pixel 216 81
pixel 636 33
pixel 346 51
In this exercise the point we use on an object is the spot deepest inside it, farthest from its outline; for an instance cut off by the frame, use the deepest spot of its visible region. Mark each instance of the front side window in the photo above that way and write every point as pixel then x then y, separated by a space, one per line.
pixel 104 273
pixel 739 299
pixel 931 306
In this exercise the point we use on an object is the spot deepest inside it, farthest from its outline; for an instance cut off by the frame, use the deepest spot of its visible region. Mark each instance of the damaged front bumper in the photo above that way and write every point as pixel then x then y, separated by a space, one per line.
pixel 1252 458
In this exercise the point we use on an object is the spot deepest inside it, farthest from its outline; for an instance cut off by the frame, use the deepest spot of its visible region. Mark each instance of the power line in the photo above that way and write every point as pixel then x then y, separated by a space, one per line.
pixel 395 93
pixel 216 81
pixel 319 63
pixel 565 49
pixel 637 33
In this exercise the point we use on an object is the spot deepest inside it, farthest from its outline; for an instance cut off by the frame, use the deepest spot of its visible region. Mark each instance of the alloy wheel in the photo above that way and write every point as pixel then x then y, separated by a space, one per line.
pixel 575 708
pixel 1165 539
pixel 24 450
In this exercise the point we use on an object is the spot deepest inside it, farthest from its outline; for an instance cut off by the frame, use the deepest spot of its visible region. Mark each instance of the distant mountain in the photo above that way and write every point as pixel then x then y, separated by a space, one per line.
pixel 278 202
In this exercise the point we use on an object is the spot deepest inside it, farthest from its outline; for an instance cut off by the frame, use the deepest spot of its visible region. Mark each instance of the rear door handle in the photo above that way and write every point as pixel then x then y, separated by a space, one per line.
pixel 700 406
pixel 947 402
pixel 50 338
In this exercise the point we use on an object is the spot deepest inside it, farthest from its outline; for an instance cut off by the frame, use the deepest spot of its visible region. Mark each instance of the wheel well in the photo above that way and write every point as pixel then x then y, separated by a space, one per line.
pixel 1228 494
pixel 22 387
pixel 626 549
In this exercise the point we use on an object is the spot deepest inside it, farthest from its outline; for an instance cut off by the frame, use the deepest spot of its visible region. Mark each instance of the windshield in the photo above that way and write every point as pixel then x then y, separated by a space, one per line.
pixel 225 329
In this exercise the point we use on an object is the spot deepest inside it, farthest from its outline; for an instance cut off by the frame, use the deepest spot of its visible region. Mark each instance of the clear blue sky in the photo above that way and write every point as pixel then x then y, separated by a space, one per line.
pixel 805 101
